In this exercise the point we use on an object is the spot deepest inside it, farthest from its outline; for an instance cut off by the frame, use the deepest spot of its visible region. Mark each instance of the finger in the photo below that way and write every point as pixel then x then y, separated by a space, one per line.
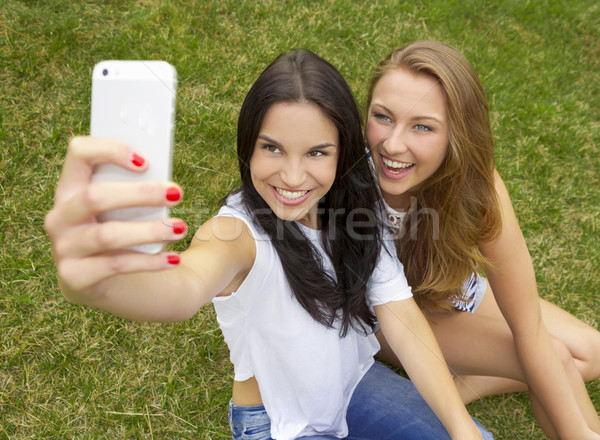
pixel 112 236
pixel 105 196
pixel 83 274
pixel 84 153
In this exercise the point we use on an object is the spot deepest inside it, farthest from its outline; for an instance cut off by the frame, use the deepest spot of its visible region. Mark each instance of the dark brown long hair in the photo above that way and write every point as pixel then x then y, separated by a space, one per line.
pixel 302 76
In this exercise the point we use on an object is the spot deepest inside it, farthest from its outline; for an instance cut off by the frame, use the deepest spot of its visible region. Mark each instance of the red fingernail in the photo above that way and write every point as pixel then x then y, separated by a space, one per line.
pixel 137 160
pixel 173 194
pixel 173 259
pixel 178 227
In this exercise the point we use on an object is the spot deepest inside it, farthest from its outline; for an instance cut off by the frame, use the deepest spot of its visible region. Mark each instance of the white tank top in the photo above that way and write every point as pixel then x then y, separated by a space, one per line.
pixel 306 373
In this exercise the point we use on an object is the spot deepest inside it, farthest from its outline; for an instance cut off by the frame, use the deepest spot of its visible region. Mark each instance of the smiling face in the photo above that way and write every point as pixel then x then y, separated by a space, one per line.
pixel 294 160
pixel 407 132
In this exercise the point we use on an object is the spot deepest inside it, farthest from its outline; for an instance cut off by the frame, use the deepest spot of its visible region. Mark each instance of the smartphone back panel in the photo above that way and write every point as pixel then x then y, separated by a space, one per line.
pixel 134 102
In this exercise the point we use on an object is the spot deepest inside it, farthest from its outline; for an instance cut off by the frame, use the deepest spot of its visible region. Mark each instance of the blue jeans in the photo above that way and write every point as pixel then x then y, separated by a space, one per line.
pixel 384 406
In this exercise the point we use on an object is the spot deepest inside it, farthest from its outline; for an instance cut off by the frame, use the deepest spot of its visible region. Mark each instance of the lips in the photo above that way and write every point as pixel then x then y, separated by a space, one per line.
pixel 291 197
pixel 395 169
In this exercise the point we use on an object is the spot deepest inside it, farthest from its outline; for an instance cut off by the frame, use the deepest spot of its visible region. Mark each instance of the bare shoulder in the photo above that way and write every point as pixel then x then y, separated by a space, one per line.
pixel 506 207
pixel 229 235
pixel 224 229
pixel 501 190
pixel 222 251
pixel 510 236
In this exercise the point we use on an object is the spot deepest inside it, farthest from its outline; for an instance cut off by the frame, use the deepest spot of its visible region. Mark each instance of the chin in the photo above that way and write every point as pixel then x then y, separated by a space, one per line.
pixel 392 188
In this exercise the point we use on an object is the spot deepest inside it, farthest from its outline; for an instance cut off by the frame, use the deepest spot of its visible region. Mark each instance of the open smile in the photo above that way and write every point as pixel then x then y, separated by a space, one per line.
pixel 395 169
pixel 291 197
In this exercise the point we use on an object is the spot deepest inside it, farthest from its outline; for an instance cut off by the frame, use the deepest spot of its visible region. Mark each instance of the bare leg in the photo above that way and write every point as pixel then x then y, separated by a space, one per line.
pixel 474 346
pixel 582 340
pixel 479 349
pixel 473 388
pixel 577 344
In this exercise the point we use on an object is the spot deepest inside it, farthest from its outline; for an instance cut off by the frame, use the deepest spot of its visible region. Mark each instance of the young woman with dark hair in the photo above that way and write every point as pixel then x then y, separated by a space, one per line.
pixel 429 133
pixel 292 264
pixel 353 259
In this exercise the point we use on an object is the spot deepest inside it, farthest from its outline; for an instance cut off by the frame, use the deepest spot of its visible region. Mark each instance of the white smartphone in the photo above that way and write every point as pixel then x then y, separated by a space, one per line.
pixel 134 102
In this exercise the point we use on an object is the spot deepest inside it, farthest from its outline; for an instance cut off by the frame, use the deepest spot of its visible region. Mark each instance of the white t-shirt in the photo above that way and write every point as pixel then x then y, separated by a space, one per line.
pixel 305 371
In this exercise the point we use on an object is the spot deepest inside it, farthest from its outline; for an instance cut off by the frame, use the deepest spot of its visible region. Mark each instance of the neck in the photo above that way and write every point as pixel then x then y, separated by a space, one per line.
pixel 312 222
pixel 399 202
pixel 312 219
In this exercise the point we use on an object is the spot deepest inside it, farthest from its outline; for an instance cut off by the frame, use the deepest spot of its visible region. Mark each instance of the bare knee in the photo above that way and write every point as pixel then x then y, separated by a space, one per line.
pixel 566 358
pixel 588 357
pixel 584 349
pixel 582 339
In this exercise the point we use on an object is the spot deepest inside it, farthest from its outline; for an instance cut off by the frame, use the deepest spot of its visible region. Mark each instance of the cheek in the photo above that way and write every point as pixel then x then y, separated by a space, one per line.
pixel 441 154
pixel 325 172
pixel 374 134
pixel 432 153
pixel 259 167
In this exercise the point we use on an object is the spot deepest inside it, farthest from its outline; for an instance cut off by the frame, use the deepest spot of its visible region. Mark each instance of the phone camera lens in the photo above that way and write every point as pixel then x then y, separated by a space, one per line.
pixel 105 72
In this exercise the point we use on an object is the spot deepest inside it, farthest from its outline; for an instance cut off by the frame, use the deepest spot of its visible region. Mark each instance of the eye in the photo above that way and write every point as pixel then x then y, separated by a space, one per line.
pixel 270 148
pixel 382 117
pixel 317 153
pixel 422 127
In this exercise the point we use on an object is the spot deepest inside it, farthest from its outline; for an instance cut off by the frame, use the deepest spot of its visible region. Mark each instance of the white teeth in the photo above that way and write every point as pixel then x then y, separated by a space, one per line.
pixel 292 195
pixel 393 164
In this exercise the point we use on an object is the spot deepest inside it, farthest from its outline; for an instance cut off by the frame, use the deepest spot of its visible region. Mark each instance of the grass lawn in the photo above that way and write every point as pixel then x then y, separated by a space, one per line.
pixel 71 372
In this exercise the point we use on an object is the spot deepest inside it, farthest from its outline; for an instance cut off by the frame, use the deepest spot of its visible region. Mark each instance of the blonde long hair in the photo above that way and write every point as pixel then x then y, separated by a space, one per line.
pixel 440 251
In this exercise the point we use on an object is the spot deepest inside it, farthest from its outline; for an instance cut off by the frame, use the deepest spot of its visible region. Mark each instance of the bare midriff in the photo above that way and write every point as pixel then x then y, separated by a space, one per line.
pixel 246 393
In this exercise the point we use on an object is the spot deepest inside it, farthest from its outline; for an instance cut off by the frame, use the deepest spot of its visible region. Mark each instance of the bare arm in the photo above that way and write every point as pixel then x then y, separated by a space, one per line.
pixel 512 279
pixel 221 252
pixel 408 333
pixel 95 269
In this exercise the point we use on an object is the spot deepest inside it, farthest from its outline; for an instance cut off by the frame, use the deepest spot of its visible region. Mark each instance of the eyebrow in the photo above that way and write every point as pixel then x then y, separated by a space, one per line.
pixel 279 145
pixel 414 118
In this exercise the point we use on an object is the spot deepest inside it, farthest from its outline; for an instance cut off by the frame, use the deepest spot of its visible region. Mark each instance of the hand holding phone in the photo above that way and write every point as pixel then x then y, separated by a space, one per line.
pixel 134 102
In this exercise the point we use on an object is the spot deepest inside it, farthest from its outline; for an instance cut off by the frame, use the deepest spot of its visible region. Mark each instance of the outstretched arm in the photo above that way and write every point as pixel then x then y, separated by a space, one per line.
pixel 407 331
pixel 95 269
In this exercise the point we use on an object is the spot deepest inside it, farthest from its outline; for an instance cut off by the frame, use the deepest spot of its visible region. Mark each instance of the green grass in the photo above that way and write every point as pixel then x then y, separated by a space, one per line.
pixel 71 372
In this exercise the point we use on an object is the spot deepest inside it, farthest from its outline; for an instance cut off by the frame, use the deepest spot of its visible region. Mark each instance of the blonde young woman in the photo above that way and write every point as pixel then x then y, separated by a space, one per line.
pixel 429 134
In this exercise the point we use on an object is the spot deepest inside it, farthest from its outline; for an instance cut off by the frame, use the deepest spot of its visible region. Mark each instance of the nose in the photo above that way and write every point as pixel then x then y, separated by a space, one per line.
pixel 394 141
pixel 293 174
